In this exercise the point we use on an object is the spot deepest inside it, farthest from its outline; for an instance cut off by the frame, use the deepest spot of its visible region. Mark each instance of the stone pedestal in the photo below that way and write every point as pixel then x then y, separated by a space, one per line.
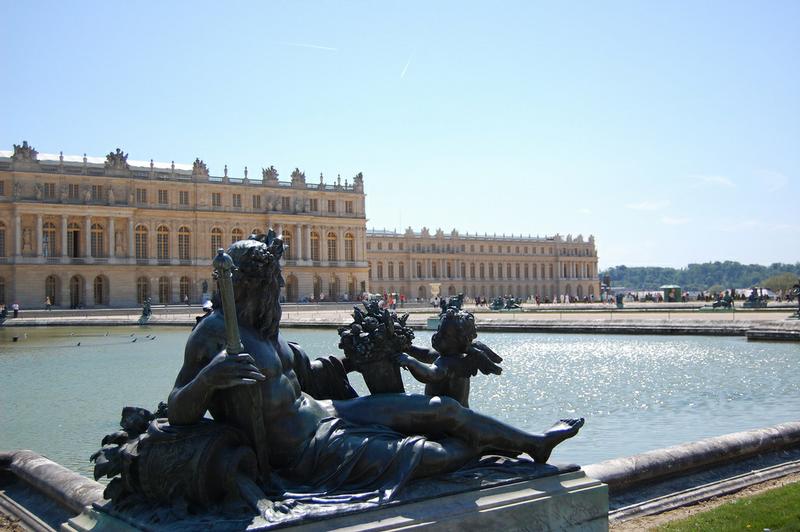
pixel 570 501
pixel 566 501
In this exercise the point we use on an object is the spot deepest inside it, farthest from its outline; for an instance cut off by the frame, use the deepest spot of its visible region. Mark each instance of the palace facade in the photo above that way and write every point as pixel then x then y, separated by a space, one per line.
pixel 416 264
pixel 93 232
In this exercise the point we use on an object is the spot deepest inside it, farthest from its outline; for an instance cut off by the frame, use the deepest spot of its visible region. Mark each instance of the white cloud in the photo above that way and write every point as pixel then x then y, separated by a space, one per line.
pixel 309 45
pixel 669 220
pixel 714 181
pixel 773 181
pixel 647 205
pixel 584 211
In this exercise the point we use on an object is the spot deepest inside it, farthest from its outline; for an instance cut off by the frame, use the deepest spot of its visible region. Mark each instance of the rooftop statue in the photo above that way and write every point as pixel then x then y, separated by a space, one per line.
pixel 296 431
pixel 25 152
pixel 117 160
pixel 269 174
pixel 199 168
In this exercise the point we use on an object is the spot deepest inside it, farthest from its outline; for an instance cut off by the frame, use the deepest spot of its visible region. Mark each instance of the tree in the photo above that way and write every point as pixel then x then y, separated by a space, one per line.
pixel 782 281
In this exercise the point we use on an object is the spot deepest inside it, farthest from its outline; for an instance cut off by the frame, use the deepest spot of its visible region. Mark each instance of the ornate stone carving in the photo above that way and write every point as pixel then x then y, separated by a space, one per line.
pixel 199 168
pixel 38 190
pixel 298 177
pixel 269 175
pixel 117 160
pixel 24 153
pixel 111 199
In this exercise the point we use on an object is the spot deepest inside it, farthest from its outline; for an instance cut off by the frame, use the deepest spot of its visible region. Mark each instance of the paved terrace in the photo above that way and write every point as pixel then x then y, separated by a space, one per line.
pixel 770 323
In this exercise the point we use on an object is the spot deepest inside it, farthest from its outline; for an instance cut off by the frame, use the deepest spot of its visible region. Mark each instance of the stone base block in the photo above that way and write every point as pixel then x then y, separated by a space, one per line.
pixel 569 501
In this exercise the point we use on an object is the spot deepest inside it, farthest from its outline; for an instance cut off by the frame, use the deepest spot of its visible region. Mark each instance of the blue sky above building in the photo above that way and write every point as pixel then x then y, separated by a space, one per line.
pixel 670 131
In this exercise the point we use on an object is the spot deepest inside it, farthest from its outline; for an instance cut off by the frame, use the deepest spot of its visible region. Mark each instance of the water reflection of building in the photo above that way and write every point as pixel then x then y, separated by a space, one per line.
pixel 481 265
pixel 108 231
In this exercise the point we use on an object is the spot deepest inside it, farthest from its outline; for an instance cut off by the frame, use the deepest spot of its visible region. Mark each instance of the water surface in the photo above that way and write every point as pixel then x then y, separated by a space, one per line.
pixel 62 389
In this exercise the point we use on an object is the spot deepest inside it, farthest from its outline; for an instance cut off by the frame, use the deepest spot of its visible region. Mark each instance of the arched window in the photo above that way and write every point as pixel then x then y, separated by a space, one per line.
pixel 508 271
pixel 2 241
pixel 184 287
pixel 98 242
pixel 380 270
pixel 516 271
pixel 236 235
pixel 482 271
pixel 333 288
pixel 472 270
pixel 184 243
pixel 317 287
pixel 73 240
pixel 2 290
pixel 288 252
pixel 369 272
pixel 315 246
pixel 142 289
pixel 499 270
pixel 162 242
pixel 100 286
pixel 50 289
pixel 332 246
pixel 419 270
pixel 390 270
pixel 48 240
pixel 463 270
pixel 349 247
pixel 449 270
pixel 401 270
pixel 164 291
pixel 140 235
pixel 216 240
pixel 434 270
pixel 76 291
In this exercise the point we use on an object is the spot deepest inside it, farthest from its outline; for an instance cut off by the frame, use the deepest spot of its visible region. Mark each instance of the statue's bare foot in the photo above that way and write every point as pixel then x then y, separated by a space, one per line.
pixel 560 431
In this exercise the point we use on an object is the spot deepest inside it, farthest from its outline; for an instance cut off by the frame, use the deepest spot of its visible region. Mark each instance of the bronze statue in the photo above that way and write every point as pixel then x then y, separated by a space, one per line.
pixel 456 358
pixel 377 442
pixel 294 428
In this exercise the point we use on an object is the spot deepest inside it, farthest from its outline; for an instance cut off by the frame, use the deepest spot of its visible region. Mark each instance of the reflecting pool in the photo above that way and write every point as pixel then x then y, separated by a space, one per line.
pixel 62 389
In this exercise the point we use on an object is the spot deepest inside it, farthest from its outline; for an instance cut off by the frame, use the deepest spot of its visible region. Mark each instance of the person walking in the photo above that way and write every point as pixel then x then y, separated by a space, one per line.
pixel 47 303
pixel 15 308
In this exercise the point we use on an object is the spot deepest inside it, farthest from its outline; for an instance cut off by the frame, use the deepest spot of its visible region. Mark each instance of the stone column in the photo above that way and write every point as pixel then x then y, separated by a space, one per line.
pixel 306 243
pixel 63 235
pixel 298 242
pixel 131 247
pixel 39 237
pixel 17 235
pixel 112 235
pixel 339 245
pixel 88 239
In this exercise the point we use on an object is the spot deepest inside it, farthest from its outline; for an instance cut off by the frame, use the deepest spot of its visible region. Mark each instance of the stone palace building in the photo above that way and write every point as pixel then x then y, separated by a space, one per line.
pixel 88 231
pixel 108 231
pixel 415 264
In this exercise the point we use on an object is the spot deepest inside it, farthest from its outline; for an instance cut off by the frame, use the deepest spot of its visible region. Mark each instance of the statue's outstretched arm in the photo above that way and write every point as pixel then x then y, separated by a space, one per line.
pixel 427 373
pixel 423 354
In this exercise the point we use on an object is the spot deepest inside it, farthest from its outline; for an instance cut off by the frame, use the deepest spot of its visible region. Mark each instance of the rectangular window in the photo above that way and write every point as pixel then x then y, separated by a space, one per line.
pixel 314 205
pixel 74 191
pixel 2 188
pixel 237 200
pixel 481 248
pixel 97 192
pixel 286 203
pixel 49 190
pixel 369 246
pixel 331 205
pixel 163 197
pixel 216 199
pixel 256 202
pixel 141 195
pixel 183 197
pixel 401 246
pixel 390 246
pixel 348 207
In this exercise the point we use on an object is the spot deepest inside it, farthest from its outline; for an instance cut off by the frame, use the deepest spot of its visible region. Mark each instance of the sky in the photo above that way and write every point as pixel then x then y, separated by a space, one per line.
pixel 668 130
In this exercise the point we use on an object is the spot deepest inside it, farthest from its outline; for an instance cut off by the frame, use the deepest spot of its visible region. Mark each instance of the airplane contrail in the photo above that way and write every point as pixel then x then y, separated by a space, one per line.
pixel 405 68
